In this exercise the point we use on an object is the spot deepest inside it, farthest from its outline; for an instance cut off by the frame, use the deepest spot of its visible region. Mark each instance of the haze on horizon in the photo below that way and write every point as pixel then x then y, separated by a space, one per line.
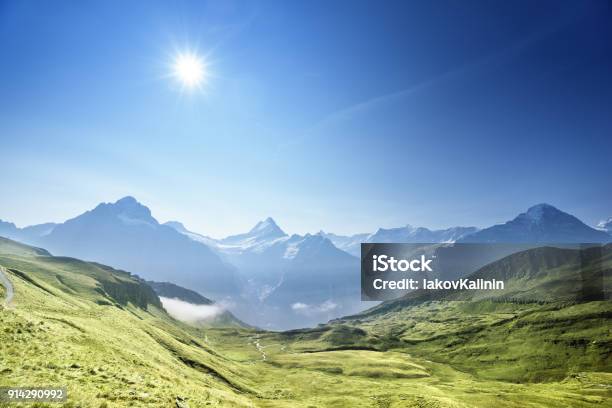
pixel 343 116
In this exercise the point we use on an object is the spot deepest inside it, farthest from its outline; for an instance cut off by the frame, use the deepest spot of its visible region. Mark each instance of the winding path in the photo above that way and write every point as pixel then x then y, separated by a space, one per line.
pixel 8 286
pixel 259 347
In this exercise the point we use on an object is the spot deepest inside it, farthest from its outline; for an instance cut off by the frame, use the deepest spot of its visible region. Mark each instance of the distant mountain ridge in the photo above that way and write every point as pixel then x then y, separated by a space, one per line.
pixel 126 235
pixel 265 266
pixel 347 243
pixel 541 223
pixel 411 234
pixel 27 234
pixel 278 270
pixel 267 242
pixel 404 235
pixel 179 227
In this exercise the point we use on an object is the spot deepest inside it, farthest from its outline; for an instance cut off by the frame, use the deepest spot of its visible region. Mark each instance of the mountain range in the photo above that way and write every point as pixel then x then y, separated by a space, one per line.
pixel 125 234
pixel 271 279
pixel 407 235
pixel 279 271
pixel 27 234
pixel 542 223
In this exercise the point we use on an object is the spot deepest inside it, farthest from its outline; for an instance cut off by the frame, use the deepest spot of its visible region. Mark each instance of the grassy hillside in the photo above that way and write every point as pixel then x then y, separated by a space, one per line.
pixel 10 247
pixel 102 333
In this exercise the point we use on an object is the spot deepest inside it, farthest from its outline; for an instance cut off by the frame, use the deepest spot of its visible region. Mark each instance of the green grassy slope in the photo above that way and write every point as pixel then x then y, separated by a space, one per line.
pixel 542 343
pixel 551 321
pixel 102 333
pixel 361 364
pixel 10 247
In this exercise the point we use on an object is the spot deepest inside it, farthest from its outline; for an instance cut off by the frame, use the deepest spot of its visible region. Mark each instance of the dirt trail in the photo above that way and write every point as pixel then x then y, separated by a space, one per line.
pixel 259 347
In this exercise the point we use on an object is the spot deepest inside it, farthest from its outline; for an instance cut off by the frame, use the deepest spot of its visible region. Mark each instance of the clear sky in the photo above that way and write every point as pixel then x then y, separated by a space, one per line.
pixel 344 116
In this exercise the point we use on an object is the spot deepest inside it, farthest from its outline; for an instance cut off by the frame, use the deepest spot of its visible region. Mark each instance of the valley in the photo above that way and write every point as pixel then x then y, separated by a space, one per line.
pixel 104 334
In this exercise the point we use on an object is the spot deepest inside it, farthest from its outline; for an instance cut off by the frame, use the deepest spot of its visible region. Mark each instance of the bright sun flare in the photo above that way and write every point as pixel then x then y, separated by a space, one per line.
pixel 190 70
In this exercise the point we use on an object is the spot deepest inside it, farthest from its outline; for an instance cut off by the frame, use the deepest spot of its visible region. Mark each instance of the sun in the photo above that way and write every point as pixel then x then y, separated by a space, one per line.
pixel 190 70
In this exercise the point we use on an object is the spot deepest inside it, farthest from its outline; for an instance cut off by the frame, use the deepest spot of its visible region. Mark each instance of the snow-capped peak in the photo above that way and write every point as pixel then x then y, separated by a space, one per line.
pixel 127 210
pixel 266 227
pixel 263 232
pixel 605 225
pixel 179 227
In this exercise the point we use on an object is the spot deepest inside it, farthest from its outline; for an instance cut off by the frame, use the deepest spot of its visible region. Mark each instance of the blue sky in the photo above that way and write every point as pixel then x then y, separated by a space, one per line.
pixel 344 116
